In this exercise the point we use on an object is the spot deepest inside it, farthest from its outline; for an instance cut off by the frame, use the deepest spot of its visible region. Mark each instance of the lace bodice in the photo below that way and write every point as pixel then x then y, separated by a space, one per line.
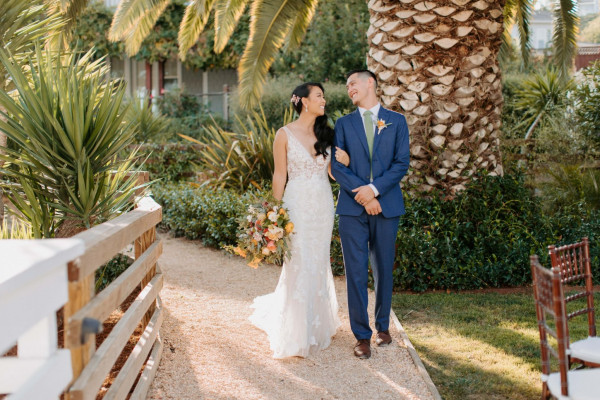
pixel 300 163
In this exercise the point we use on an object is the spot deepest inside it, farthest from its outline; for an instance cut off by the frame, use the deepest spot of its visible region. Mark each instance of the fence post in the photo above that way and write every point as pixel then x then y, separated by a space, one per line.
pixel 141 244
pixel 81 291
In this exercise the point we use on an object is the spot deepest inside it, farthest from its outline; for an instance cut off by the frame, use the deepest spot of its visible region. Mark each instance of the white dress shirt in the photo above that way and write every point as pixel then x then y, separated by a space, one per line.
pixel 375 111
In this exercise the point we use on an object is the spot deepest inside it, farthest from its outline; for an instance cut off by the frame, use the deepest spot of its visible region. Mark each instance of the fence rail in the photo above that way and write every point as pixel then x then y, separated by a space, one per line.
pixel 91 366
pixel 33 287
pixel 30 296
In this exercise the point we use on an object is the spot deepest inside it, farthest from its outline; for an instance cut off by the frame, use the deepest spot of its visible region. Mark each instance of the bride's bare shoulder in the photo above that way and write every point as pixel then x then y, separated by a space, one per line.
pixel 282 132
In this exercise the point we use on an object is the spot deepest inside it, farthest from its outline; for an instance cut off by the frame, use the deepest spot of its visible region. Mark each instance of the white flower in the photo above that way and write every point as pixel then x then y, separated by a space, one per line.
pixel 257 236
pixel 249 218
pixel 272 216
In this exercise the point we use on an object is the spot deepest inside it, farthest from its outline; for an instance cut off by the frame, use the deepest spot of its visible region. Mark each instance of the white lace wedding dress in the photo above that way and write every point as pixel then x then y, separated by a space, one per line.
pixel 301 316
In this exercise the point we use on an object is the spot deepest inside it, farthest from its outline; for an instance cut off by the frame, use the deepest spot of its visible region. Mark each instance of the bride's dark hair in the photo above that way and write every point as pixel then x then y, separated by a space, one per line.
pixel 323 132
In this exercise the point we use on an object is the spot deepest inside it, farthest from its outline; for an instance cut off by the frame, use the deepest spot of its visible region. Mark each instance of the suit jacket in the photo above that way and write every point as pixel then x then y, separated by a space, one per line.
pixel 390 162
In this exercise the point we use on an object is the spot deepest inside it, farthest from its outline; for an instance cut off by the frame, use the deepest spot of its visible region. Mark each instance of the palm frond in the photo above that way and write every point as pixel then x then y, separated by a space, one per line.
pixel 523 16
pixel 195 18
pixel 133 21
pixel 564 40
pixel 227 14
pixel 301 24
pixel 517 12
pixel 67 9
pixel 271 22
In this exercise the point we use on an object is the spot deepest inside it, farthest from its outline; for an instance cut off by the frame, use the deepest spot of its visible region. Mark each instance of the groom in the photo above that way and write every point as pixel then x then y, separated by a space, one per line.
pixel 370 203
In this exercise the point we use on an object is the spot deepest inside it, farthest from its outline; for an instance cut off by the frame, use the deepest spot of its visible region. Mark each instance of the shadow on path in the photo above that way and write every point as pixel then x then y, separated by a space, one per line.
pixel 213 352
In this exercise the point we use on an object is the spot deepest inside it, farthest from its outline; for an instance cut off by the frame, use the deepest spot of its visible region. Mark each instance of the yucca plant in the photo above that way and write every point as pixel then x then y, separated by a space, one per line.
pixel 151 125
pixel 67 123
pixel 238 160
pixel 542 93
pixel 15 230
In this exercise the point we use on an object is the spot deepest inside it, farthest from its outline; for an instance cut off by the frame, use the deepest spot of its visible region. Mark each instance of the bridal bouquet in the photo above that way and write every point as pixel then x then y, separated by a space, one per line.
pixel 263 233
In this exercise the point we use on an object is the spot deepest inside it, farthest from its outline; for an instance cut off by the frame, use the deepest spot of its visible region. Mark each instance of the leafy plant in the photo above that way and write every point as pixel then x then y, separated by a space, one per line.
pixel 238 160
pixel 111 271
pixel 201 212
pixel 16 230
pixel 586 103
pixel 171 162
pixel 566 186
pixel 544 93
pixel 152 127
pixel 67 123
pixel 334 44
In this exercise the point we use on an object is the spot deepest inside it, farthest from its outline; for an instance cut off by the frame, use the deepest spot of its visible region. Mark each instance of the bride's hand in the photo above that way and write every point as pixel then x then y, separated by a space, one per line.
pixel 342 157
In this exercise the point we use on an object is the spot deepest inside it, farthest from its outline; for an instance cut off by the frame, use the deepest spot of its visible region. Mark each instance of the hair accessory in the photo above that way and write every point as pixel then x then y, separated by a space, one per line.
pixel 295 99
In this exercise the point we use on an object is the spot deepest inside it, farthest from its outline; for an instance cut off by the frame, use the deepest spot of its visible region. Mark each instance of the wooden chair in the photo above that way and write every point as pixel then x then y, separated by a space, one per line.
pixel 574 385
pixel 572 263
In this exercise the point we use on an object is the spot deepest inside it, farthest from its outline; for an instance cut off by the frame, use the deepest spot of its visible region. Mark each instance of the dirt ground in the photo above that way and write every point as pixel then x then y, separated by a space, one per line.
pixel 213 352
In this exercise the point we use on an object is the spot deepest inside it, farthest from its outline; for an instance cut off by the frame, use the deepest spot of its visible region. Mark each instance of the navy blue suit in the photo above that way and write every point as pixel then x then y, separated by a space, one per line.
pixel 366 236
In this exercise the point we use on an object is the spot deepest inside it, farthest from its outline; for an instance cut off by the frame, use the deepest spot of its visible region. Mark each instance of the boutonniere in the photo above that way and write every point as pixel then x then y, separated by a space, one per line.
pixel 381 125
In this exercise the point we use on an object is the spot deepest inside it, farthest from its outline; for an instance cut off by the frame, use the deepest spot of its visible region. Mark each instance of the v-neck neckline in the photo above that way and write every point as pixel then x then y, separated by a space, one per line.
pixel 308 153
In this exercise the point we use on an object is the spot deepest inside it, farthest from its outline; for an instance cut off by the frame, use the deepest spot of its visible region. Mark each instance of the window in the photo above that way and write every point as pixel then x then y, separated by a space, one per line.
pixel 170 77
pixel 117 68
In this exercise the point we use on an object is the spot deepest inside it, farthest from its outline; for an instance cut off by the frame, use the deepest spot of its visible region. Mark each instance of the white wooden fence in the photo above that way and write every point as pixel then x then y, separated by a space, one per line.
pixel 33 287
pixel 38 277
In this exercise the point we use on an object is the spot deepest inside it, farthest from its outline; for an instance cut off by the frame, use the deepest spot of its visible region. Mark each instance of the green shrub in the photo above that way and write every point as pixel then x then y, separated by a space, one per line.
pixel 335 43
pixel 586 103
pixel 482 238
pixel 565 186
pixel 111 271
pixel 170 162
pixel 152 127
pixel 200 212
pixel 187 115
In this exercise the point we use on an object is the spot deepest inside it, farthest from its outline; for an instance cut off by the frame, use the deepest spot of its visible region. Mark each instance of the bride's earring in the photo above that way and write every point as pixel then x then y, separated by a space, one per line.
pixel 306 108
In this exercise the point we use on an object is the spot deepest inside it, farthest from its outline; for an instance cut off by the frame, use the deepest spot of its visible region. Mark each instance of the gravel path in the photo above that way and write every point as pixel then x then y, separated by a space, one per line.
pixel 213 352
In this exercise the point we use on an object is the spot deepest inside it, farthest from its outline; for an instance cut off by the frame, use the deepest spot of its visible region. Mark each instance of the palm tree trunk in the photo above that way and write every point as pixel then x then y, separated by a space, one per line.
pixel 436 63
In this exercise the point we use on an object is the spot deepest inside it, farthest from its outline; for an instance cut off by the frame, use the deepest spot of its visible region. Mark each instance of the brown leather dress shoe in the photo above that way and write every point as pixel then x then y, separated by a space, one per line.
pixel 383 338
pixel 362 349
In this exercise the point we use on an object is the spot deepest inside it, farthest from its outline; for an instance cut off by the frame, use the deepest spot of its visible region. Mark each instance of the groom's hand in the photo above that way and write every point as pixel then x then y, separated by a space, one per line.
pixel 365 194
pixel 373 207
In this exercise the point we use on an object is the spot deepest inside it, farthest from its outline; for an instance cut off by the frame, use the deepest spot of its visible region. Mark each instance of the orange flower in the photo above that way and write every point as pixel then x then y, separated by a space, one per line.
pixel 240 252
pixel 271 245
pixel 289 228
pixel 254 263
pixel 281 211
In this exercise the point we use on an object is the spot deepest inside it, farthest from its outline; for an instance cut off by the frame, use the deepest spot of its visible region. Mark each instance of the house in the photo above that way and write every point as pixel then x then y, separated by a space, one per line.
pixel 212 86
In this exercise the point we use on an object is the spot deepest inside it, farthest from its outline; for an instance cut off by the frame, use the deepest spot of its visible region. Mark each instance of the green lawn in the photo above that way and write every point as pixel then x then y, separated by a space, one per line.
pixel 478 346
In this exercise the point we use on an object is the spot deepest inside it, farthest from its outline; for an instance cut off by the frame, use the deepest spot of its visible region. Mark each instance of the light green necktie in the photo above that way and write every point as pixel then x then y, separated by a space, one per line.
pixel 368 122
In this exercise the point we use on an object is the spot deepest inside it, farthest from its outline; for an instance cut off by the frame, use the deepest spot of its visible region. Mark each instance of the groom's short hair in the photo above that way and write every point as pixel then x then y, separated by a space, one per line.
pixel 364 72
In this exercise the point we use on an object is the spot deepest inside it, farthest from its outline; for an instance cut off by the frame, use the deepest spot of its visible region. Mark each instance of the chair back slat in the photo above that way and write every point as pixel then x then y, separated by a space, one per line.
pixel 549 300
pixel 572 261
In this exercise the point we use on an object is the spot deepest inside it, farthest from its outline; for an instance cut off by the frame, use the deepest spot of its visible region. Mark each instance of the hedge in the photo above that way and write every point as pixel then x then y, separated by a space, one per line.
pixel 482 238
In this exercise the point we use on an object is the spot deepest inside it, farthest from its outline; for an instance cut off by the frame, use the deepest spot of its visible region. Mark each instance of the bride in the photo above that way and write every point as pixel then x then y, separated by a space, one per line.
pixel 301 316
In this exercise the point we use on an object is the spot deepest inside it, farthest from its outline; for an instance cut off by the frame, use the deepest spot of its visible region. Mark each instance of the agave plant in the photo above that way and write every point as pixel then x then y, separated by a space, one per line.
pixel 67 123
pixel 238 160
pixel 541 94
